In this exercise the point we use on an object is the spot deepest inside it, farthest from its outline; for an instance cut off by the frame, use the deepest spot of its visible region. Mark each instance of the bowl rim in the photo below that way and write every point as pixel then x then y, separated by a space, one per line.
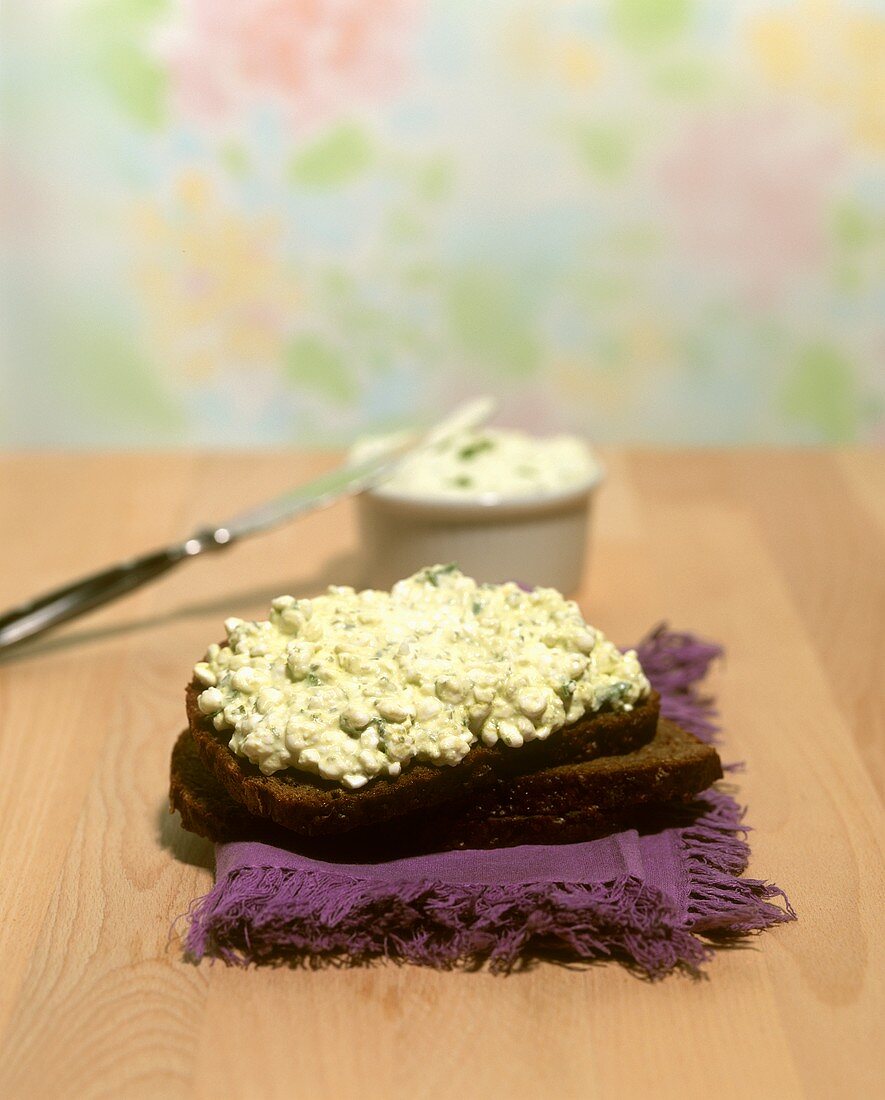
pixel 492 502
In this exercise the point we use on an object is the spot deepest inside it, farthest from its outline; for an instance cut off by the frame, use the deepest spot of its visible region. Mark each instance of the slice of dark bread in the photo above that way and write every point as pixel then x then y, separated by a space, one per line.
pixel 593 798
pixel 672 763
pixel 314 806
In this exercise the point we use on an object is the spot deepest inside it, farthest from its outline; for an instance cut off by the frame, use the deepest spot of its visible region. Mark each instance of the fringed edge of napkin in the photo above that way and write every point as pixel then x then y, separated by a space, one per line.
pixel 266 914
pixel 720 903
pixel 675 663
pixel 270 915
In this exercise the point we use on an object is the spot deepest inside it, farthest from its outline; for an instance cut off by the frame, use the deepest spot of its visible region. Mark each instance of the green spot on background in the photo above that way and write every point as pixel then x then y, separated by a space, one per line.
pixel 337 158
pixel 640 239
pixel 491 322
pixel 644 23
pixel 137 83
pixel 311 362
pixel 599 288
pixel 101 366
pixel 605 150
pixel 405 227
pixel 420 276
pixel 853 226
pixel 234 158
pixel 121 17
pixel 436 179
pixel 687 80
pixel 118 33
pixel 821 391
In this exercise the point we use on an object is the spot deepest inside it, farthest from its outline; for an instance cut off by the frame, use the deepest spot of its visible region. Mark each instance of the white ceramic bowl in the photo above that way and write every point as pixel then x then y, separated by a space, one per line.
pixel 539 540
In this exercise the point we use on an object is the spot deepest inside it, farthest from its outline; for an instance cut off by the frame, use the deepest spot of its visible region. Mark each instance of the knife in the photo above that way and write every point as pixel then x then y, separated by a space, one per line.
pixel 68 602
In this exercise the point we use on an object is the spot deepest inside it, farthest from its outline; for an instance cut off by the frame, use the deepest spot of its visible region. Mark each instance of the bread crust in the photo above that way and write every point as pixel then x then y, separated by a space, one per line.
pixel 313 806
pixel 557 805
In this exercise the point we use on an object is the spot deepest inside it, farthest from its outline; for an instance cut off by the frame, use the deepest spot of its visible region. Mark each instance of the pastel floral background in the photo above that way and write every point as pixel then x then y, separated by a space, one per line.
pixel 262 222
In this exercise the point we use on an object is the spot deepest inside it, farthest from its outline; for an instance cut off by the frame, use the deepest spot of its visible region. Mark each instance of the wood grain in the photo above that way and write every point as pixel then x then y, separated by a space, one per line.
pixel 780 555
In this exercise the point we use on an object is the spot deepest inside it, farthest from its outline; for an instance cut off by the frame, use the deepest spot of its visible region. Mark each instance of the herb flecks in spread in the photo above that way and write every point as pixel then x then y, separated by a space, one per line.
pixel 352 685
pixel 488 463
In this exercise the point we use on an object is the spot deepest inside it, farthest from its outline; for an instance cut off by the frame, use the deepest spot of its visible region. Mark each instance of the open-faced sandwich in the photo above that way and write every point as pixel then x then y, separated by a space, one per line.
pixel 443 713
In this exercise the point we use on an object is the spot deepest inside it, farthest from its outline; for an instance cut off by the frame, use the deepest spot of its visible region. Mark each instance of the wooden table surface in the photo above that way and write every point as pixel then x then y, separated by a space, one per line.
pixel 779 555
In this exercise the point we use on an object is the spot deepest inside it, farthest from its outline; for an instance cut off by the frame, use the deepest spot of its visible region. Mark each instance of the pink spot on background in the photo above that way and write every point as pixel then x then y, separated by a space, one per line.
pixel 745 191
pixel 311 57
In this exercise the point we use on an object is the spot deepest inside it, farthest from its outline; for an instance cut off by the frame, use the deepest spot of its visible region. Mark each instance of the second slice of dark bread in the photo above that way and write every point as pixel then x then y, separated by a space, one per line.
pixel 594 798
pixel 314 806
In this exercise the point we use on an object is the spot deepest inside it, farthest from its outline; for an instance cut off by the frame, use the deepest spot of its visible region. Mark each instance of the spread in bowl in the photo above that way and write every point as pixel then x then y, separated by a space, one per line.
pixel 488 464
pixel 499 502
pixel 352 685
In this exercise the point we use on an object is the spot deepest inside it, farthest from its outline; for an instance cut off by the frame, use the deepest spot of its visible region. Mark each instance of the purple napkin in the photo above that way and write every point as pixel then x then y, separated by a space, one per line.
pixel 644 899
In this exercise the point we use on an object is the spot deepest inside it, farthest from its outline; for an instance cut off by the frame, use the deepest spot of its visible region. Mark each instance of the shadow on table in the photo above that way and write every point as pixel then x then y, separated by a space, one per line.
pixel 186 847
pixel 341 569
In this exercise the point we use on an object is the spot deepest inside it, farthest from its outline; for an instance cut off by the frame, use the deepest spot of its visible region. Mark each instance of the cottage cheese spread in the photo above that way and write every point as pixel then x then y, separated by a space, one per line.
pixel 352 685
pixel 488 463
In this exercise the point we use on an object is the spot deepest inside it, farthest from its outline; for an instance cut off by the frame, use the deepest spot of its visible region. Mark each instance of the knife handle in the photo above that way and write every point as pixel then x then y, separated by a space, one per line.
pixel 71 600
